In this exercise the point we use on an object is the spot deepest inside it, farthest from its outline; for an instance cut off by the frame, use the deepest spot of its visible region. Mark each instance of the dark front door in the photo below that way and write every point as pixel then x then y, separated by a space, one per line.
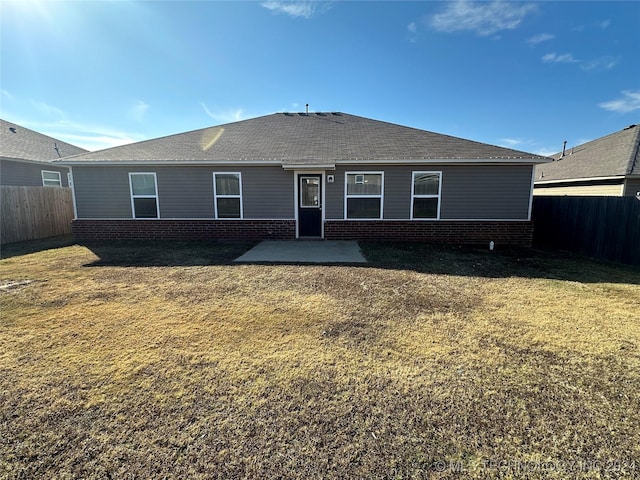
pixel 310 206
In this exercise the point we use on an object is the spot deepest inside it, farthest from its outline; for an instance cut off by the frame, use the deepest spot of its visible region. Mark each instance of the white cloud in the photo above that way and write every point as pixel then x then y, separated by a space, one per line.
pixel 582 141
pixel 602 63
pixel 305 9
pixel 138 111
pixel 629 102
pixel 482 18
pixel 545 151
pixel 511 142
pixel 412 27
pixel 604 24
pixel 555 58
pixel 6 95
pixel 92 142
pixel 226 116
pixel 542 37
pixel 48 110
pixel 90 137
pixel 527 145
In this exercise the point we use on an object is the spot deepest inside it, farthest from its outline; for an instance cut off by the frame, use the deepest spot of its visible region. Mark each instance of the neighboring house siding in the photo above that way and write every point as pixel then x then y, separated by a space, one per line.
pixel 582 190
pixel 468 192
pixel 183 192
pixel 632 186
pixel 28 174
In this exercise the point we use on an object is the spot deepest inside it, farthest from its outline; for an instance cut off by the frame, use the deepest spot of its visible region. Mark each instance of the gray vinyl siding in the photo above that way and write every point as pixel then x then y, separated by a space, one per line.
pixel 334 196
pixel 183 192
pixel 102 192
pixel 28 174
pixel 486 192
pixel 267 192
pixel 469 192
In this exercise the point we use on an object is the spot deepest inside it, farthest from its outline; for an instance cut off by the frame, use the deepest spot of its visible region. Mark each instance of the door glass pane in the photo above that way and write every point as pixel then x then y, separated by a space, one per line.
pixel 310 192
pixel 364 184
pixel 143 184
pixel 228 208
pixel 227 184
pixel 426 183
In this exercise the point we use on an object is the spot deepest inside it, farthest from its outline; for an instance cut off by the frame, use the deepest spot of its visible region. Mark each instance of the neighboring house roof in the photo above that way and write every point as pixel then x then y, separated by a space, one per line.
pixel 19 143
pixel 617 154
pixel 304 139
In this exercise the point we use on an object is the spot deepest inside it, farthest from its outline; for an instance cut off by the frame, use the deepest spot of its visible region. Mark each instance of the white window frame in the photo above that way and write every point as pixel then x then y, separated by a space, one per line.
pixel 414 196
pixel 380 196
pixel 44 184
pixel 216 196
pixel 133 207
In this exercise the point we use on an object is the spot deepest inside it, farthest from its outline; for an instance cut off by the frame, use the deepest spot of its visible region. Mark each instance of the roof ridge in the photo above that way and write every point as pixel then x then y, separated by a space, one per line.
pixel 635 152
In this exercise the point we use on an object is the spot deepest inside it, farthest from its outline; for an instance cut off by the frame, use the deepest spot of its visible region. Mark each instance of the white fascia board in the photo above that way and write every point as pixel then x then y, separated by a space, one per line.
pixel 440 161
pixel 317 166
pixel 173 163
pixel 585 179
pixel 50 163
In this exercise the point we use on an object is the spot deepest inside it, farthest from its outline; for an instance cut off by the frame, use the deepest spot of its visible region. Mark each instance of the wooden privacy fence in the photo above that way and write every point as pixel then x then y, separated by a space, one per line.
pixel 29 213
pixel 607 228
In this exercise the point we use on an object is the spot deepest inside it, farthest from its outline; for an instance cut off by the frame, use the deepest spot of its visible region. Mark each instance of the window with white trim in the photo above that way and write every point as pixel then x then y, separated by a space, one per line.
pixel 144 195
pixel 51 179
pixel 425 195
pixel 363 192
pixel 227 194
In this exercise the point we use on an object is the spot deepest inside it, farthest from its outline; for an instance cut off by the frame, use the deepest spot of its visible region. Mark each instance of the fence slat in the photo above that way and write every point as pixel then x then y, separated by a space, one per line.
pixel 607 228
pixel 29 213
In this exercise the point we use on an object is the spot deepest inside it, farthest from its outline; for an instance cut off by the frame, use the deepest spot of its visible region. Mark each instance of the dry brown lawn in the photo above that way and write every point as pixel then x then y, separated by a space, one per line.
pixel 169 361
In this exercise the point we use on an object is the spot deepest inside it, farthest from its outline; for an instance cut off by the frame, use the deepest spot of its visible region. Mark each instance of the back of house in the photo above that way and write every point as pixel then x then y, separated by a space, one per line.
pixel 306 175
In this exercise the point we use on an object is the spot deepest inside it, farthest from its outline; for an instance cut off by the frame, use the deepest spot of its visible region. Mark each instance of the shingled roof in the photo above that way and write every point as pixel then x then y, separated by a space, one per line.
pixel 301 138
pixel 20 143
pixel 617 154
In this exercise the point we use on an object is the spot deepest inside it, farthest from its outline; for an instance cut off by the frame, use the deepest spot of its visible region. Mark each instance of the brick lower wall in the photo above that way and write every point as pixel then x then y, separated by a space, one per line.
pixel 183 229
pixel 470 233
pixel 461 233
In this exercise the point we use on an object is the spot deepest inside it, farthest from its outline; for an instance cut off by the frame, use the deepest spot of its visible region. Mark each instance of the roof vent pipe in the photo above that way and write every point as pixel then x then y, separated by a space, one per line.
pixel 564 147
pixel 307 111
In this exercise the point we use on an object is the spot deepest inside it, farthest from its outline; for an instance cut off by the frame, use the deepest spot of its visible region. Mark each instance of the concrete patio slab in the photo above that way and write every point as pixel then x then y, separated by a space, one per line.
pixel 301 251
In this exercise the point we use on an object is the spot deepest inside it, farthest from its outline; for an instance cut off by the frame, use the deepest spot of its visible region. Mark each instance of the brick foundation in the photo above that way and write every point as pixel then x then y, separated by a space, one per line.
pixel 183 229
pixel 443 232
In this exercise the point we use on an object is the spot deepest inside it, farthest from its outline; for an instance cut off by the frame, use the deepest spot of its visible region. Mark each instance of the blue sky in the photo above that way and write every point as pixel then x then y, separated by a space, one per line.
pixel 526 75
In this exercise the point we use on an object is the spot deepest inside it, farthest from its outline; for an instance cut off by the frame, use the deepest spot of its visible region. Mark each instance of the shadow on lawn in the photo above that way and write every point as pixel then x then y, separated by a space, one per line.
pixel 443 260
pixel 501 263
pixel 33 246
pixel 166 253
